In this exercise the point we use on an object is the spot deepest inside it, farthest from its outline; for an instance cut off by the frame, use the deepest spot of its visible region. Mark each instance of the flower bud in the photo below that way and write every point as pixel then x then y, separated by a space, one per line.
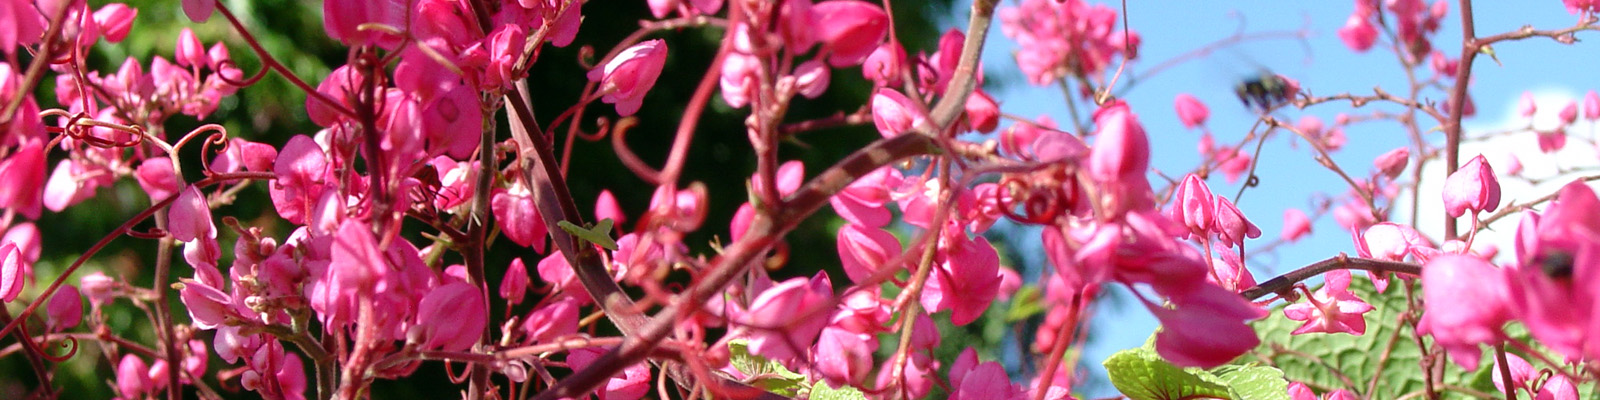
pixel 65 310
pixel 191 53
pixel 630 75
pixel 811 78
pixel 1193 206
pixel 983 114
pixel 1473 187
pixel 1391 164
pixel 1358 33
pixel 1191 111
pixel 515 283
pixel 893 113
pixel 12 272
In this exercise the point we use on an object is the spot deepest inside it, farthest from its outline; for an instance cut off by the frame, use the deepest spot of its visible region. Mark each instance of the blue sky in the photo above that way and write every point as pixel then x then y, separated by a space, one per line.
pixel 1289 176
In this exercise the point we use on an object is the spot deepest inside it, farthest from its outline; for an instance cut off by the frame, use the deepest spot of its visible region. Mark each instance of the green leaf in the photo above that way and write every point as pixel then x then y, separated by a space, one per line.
pixel 1025 303
pixel 821 391
pixel 1254 382
pixel 765 374
pixel 1387 353
pixel 1141 374
pixel 600 234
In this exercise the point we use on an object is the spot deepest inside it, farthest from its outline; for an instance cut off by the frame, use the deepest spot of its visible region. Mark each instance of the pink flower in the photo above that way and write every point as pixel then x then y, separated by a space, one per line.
pixel 1206 327
pixel 1553 141
pixel 849 30
pixel 1295 225
pixel 1231 226
pixel 156 177
pixel 1521 373
pixel 1442 65
pixel 22 180
pixel 811 78
pixel 189 217
pixel 116 19
pixel 98 287
pixel 605 207
pixel 1466 305
pixel 1558 387
pixel 65 310
pixel 862 202
pixel 966 280
pixel 1299 391
pixel 1591 106
pixel 630 75
pixel 518 217
pixel 13 272
pixel 552 321
pixel 132 377
pixel 893 113
pixel 23 25
pixel 515 283
pixel 1552 284
pixel 300 169
pixel 246 156
pixel 208 307
pixel 1340 394
pixel 1331 309
pixel 1526 106
pixel 1388 241
pixel 982 113
pixel 343 18
pixel 739 77
pixel 1473 187
pixel 1569 114
pixel 785 319
pixel 631 384
pixel 199 10
pixel 1191 111
pixel 1193 206
pixel 982 381
pixel 1582 6
pixel 190 52
pixel 1358 33
pixel 1391 164
pixel 844 357
pixel 450 318
pixel 865 250
pixel 883 66
pixel 26 236
pixel 1121 151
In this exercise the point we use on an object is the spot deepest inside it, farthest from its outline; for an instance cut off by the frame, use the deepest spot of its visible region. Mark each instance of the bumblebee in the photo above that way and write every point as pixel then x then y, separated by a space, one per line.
pixel 1265 91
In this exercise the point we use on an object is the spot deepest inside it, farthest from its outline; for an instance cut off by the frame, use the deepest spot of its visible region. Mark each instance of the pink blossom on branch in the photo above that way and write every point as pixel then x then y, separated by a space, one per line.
pixel 1448 283
pixel 849 30
pixel 1331 309
pixel 785 319
pixel 1191 111
pixel 1473 187
pixel 625 80
pixel 13 272
pixel 1358 33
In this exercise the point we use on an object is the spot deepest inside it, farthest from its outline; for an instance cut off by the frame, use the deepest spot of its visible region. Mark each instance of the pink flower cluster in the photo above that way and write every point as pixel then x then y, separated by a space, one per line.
pixel 1063 39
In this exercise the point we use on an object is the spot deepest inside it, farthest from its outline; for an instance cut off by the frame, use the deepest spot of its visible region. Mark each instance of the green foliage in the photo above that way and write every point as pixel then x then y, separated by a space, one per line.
pixel 1141 374
pixel 767 374
pixel 824 392
pixel 1385 360
pixel 1027 302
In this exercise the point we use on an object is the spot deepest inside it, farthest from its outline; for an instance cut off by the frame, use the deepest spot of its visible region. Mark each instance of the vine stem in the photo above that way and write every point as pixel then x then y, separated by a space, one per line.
pixel 1284 283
